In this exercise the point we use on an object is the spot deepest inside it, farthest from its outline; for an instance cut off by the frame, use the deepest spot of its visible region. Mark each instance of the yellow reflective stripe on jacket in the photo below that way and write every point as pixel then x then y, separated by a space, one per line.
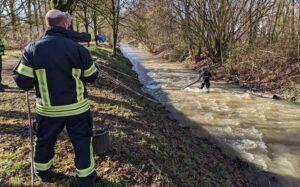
pixel 43 86
pixel 63 113
pixel 43 166
pixel 61 108
pixel 86 172
pixel 25 70
pixel 76 73
pixel 90 71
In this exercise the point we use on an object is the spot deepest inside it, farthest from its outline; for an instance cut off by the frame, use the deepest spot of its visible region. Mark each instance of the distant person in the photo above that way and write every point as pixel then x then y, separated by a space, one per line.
pixel 80 36
pixel 205 75
pixel 2 86
pixel 59 69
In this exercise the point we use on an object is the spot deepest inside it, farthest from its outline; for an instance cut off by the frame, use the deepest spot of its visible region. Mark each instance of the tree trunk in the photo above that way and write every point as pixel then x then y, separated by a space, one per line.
pixel 29 19
pixel 65 6
pixel 187 25
pixel 218 55
pixel 86 21
pixel 13 17
pixel 115 38
pixel 40 14
pixel 278 14
pixel 115 27
pixel 285 20
pixel 45 7
pixel 251 24
pixel 293 19
pixel 198 53
pixel 95 26
pixel 36 20
pixel 77 23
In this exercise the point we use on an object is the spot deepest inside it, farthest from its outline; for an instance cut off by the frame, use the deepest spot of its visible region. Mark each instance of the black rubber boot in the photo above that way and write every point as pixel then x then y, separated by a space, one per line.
pixel 44 176
pixel 88 181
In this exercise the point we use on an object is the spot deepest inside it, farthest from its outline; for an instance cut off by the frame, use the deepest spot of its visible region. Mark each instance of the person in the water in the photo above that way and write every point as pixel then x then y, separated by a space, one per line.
pixel 206 76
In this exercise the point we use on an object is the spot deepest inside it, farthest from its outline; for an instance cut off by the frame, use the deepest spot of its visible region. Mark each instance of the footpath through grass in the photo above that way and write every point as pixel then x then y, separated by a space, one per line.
pixel 147 147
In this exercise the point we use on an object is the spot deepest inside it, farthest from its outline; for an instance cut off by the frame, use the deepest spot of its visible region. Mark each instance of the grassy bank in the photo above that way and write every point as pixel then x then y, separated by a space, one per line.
pixel 147 148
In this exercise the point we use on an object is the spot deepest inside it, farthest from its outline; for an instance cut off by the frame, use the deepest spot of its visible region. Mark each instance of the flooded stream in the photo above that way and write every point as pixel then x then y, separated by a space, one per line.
pixel 261 131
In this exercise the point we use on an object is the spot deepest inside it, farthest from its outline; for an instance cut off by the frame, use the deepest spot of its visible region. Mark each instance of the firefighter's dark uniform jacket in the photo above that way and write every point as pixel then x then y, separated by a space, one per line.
pixel 59 68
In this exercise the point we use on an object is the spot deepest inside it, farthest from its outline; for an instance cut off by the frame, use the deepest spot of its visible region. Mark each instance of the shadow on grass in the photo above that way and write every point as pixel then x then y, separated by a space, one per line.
pixel 13 114
pixel 8 90
pixel 17 130
pixel 60 179
pixel 104 100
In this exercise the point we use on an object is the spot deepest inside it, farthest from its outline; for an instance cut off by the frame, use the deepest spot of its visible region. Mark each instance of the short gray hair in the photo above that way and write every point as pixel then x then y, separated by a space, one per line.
pixel 55 18
pixel 68 17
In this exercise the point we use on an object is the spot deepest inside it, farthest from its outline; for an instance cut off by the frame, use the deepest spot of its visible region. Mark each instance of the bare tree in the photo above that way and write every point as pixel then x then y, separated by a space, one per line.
pixel 36 19
pixel 110 11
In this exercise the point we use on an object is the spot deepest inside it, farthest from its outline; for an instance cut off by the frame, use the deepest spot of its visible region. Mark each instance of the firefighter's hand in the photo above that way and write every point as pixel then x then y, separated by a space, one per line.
pixel 101 38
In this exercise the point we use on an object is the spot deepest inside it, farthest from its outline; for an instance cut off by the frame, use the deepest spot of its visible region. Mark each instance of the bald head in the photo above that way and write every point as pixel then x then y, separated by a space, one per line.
pixel 56 18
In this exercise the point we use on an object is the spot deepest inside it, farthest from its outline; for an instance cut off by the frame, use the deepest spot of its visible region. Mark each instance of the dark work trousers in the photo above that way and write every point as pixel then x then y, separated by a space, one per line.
pixel 80 132
pixel 206 84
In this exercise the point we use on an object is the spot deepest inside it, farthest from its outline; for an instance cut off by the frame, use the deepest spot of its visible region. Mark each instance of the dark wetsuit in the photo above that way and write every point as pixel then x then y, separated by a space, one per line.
pixel 206 75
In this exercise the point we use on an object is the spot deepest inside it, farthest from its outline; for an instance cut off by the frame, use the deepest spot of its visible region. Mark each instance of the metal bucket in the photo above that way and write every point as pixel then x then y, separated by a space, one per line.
pixel 101 141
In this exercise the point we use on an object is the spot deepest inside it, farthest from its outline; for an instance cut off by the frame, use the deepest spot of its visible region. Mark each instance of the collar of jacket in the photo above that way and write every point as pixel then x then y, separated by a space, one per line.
pixel 55 31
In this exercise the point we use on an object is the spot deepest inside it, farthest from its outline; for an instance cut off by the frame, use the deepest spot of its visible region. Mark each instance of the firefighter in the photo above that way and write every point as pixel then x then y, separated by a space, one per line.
pixel 59 69
pixel 80 36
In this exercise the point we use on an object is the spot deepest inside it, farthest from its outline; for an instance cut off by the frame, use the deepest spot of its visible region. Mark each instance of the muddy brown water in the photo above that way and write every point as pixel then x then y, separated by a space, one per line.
pixel 263 132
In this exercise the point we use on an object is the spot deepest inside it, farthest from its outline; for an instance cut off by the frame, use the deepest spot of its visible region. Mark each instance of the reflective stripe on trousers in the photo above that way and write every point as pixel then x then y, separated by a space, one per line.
pixel 43 166
pixel 86 172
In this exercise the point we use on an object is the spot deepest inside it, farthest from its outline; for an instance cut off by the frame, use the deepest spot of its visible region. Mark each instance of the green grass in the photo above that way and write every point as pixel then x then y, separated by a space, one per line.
pixel 119 62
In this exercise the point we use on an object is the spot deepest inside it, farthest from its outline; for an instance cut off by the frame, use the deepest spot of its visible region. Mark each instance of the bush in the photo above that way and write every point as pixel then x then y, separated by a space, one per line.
pixel 178 53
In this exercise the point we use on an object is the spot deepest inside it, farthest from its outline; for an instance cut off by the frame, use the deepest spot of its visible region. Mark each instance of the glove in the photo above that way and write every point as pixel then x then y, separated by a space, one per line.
pixel 100 38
